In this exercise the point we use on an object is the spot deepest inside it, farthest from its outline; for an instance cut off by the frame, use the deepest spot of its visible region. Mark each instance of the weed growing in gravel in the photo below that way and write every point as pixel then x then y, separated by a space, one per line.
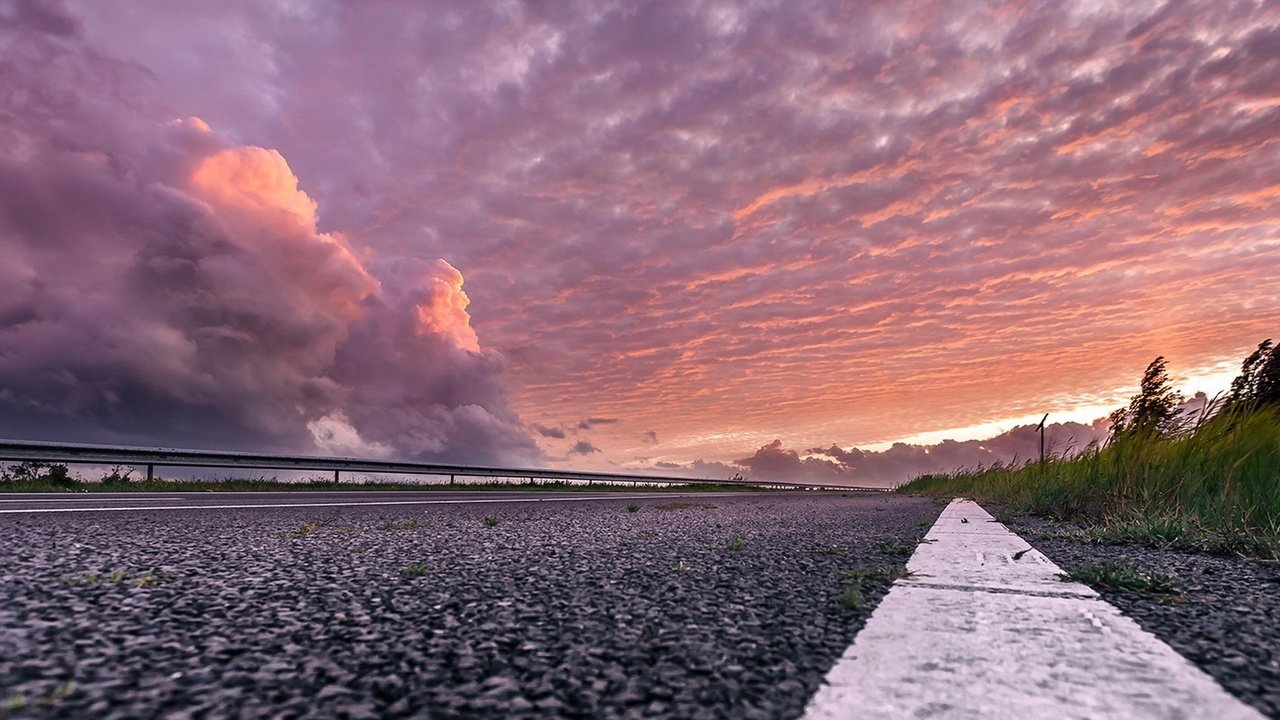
pixel 851 595
pixel 882 573
pixel 1123 577
pixel 491 522
pixel 414 570
pixel 828 550
pixel 682 506
pixel 683 569
pixel 302 530
pixel 632 508
pixel 311 528
pixel 736 543
pixel 18 702
pixel 896 547
pixel 119 577
pixel 401 525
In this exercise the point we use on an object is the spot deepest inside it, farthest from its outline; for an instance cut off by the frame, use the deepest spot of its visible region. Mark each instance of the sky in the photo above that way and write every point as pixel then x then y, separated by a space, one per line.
pixel 802 238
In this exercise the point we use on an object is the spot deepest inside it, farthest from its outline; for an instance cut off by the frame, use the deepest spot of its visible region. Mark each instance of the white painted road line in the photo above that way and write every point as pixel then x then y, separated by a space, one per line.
pixel 985 628
pixel 330 504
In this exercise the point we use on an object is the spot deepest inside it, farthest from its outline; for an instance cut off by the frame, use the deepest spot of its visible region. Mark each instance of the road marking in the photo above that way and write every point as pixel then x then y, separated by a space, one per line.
pixel 345 504
pixel 974 632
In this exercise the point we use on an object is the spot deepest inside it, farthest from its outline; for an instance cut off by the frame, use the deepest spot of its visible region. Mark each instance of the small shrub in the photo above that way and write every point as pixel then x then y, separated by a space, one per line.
pixel 491 522
pixel 632 508
pixel 851 596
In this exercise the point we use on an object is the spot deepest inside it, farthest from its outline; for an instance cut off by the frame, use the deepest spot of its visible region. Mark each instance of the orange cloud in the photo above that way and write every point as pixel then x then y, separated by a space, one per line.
pixel 445 311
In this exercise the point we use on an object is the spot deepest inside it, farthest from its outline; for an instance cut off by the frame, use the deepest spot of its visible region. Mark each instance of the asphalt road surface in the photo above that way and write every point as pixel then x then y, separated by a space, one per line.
pixel 104 501
pixel 475 605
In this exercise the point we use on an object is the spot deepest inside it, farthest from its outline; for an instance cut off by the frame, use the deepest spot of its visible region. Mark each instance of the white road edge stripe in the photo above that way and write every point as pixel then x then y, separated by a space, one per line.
pixel 338 504
pixel 985 626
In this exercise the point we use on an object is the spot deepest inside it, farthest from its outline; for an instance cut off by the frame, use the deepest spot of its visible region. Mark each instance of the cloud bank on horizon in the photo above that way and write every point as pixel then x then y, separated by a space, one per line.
pixel 716 223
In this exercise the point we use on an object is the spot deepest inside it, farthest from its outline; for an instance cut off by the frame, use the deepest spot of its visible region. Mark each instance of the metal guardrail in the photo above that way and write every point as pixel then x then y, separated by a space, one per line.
pixel 152 458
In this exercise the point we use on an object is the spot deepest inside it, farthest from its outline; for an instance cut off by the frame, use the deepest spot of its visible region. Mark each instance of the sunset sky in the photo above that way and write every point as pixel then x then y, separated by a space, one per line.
pixel 682 236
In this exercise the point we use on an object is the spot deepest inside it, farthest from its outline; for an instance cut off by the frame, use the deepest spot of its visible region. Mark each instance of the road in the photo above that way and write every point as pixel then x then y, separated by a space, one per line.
pixel 523 604
pixel 122 501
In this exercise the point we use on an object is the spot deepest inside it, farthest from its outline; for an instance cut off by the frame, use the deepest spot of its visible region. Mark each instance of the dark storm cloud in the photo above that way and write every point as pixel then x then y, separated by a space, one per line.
pixel 162 285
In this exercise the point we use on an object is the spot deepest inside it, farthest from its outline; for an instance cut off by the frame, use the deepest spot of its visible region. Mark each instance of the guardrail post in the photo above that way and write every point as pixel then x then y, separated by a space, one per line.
pixel 452 481
pixel 335 477
pixel 151 472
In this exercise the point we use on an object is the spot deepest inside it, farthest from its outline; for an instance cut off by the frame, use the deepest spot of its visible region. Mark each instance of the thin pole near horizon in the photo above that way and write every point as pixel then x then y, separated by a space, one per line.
pixel 1040 427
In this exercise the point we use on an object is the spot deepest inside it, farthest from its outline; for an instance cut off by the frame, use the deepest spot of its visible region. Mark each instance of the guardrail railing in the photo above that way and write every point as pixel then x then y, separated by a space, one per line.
pixel 152 458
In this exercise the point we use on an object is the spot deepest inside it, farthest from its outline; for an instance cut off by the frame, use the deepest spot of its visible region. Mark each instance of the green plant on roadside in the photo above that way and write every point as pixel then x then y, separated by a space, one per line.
pixel 682 569
pixel 633 508
pixel 735 544
pixel 491 522
pixel 1123 577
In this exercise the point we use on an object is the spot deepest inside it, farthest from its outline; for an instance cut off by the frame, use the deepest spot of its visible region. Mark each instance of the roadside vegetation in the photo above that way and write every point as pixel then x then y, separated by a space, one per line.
pixel 1122 577
pixel 851 595
pixel 1208 480
pixel 55 477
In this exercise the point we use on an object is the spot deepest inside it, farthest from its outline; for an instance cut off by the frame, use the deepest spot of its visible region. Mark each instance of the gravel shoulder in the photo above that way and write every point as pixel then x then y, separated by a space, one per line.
pixel 697 608
pixel 1226 620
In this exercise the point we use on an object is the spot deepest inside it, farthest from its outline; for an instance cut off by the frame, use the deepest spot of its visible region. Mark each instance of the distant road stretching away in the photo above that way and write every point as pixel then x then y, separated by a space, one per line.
pixel 105 502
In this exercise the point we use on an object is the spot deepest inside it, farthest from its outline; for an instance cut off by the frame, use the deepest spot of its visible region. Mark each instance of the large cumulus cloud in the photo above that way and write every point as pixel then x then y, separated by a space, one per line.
pixel 163 283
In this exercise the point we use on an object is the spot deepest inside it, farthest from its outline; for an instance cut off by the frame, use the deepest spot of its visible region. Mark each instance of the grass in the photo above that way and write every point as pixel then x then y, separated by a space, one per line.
pixel 1215 488
pixel 851 596
pixel 633 508
pixel 491 522
pixel 1123 577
